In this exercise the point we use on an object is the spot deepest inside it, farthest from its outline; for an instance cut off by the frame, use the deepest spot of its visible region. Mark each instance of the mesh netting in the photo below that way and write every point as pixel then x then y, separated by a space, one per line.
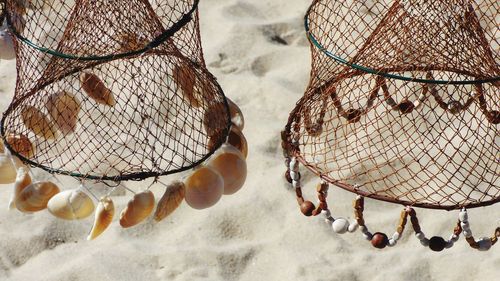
pixel 403 101
pixel 113 89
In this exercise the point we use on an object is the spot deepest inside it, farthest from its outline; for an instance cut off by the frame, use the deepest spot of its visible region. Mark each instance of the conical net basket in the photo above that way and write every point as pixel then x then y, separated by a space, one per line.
pixel 112 90
pixel 403 101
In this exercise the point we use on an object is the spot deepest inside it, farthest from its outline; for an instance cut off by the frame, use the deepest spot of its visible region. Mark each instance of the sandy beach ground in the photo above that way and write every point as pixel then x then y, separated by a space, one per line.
pixel 260 55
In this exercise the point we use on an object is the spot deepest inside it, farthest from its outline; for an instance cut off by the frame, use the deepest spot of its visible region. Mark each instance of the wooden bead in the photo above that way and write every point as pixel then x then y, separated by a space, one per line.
pixel 406 107
pixel 455 107
pixel 307 208
pixel 379 240
pixel 437 243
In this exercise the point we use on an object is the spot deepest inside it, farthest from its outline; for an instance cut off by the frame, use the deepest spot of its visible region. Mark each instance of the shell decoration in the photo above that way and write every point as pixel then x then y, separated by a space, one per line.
pixel 103 217
pixel 64 107
pixel 35 196
pixel 236 115
pixel 171 199
pixel 71 205
pixel 38 123
pixel 204 188
pixel 23 179
pixel 95 88
pixel 230 163
pixel 238 140
pixel 185 78
pixel 7 170
pixel 138 209
pixel 21 144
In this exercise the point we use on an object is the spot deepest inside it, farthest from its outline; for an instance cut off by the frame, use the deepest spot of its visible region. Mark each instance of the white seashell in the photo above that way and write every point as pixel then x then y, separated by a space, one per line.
pixel 71 205
pixel 204 188
pixel 103 217
pixel 230 163
pixel 7 170
pixel 138 209
pixel 64 107
pixel 340 225
pixel 7 51
pixel 35 196
pixel 23 179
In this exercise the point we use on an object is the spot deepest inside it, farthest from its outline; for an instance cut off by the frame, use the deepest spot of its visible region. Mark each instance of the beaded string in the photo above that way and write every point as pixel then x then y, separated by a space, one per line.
pixel 484 243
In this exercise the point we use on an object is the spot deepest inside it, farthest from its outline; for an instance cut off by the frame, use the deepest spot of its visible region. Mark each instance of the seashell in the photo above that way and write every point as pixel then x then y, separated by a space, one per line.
pixel 214 120
pixel 340 225
pixel 103 217
pixel 21 144
pixel 95 88
pixel 236 115
pixel 34 197
pixel 7 51
pixel 71 205
pixel 23 180
pixel 129 41
pixel 7 170
pixel 204 188
pixel 230 163
pixel 64 107
pixel 185 78
pixel 138 209
pixel 238 140
pixel 37 122
pixel 170 200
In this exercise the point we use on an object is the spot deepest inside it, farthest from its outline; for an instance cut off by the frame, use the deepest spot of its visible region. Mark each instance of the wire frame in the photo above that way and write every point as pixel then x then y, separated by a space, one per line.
pixel 403 101
pixel 113 90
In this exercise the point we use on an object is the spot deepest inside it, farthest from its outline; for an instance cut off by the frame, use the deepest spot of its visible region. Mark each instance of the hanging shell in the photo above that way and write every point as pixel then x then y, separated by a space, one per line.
pixel 138 209
pixel 232 166
pixel 71 205
pixel 7 170
pixel 236 115
pixel 21 144
pixel 37 122
pixel 103 217
pixel 64 107
pixel 170 200
pixel 185 78
pixel 238 140
pixel 23 180
pixel 204 188
pixel 95 88
pixel 35 196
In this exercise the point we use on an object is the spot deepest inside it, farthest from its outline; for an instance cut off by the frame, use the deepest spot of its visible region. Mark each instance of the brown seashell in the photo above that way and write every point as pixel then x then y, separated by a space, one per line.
pixel 129 42
pixel 214 119
pixel 204 188
pixel 37 122
pixel 64 107
pixel 103 217
pixel 170 200
pixel 138 209
pixel 35 196
pixel 185 78
pixel 230 163
pixel 21 144
pixel 238 140
pixel 71 205
pixel 95 88
pixel 237 117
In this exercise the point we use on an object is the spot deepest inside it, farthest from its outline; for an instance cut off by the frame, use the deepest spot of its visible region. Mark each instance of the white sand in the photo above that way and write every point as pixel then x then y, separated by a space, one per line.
pixel 258 233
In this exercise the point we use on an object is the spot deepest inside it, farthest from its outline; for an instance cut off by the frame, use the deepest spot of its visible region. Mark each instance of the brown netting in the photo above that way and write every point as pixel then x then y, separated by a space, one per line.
pixel 113 89
pixel 403 102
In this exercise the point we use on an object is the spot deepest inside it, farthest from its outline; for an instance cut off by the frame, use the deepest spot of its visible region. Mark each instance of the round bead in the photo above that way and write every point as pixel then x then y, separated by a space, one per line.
pixel 353 115
pixel 420 235
pixel 307 208
pixel 454 107
pixel 353 227
pixel 379 240
pixel 392 242
pixel 395 236
pixel 437 243
pixel 288 177
pixel 340 225
pixel 406 106
pixel 467 233
pixel 484 244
